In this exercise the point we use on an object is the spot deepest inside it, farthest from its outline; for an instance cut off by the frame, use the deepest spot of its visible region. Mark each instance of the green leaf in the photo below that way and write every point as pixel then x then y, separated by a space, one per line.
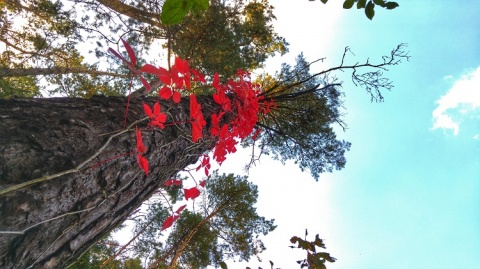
pixel 173 11
pixel 324 1
pixel 325 256
pixel 348 4
pixel 369 10
pixel 391 5
pixel 319 242
pixel 361 3
pixel 199 5
pixel 223 265
pixel 379 2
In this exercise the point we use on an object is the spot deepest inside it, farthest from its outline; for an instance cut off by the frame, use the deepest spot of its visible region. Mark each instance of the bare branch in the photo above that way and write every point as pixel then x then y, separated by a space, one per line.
pixel 132 12
pixel 20 72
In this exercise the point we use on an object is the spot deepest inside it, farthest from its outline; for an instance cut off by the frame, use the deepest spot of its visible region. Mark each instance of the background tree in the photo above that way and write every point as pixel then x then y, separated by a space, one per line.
pixel 101 251
pixel 224 226
pixel 52 39
pixel 228 37
pixel 300 126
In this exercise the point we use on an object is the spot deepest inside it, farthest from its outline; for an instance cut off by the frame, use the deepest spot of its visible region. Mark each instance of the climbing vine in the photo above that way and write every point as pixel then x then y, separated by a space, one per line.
pixel 239 101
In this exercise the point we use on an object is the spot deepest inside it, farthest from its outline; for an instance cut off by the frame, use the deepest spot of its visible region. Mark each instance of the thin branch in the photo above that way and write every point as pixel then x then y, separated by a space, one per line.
pixel 20 72
pixel 387 61
pixel 132 12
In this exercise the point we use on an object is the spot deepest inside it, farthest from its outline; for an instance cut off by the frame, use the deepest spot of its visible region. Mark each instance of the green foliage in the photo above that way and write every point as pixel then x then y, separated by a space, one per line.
pixel 39 34
pixel 314 260
pixel 221 36
pixel 96 256
pixel 200 251
pixel 226 226
pixel 22 87
pixel 369 7
pixel 227 37
pixel 238 220
pixel 174 11
pixel 149 228
pixel 300 128
pixel 19 87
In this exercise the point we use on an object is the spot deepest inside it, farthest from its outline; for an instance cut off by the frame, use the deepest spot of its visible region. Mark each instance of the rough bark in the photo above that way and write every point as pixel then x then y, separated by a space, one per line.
pixel 51 223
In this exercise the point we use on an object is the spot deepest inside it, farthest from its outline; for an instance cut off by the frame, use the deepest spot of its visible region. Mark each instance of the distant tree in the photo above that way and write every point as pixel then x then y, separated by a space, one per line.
pixel 300 126
pixel 226 225
pixel 313 259
pixel 103 250
pixel 228 37
pixel 54 39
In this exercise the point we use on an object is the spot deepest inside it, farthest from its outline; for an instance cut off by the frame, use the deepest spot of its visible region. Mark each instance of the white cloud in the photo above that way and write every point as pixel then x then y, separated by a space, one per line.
pixel 462 98
pixel 475 137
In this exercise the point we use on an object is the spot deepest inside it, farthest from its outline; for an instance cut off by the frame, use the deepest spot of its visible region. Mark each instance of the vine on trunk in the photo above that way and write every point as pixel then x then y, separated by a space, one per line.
pixel 240 102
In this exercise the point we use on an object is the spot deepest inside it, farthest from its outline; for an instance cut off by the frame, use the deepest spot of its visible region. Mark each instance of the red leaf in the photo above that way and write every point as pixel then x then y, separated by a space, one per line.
pixel 131 54
pixel 169 221
pixel 156 109
pixel 181 65
pixel 180 209
pixel 157 118
pixel 216 81
pixel 215 129
pixel 164 76
pixel 217 99
pixel 140 146
pixel 143 163
pixel 161 73
pixel 145 84
pixel 205 163
pixel 255 135
pixel 161 117
pixel 147 110
pixel 148 68
pixel 191 193
pixel 197 76
pixel 176 97
pixel 187 81
pixel 165 92
pixel 114 52
pixel 172 182
pixel 202 183
pixel 196 118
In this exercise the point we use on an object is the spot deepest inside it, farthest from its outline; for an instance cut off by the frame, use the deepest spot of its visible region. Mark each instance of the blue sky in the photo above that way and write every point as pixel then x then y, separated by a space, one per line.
pixel 409 196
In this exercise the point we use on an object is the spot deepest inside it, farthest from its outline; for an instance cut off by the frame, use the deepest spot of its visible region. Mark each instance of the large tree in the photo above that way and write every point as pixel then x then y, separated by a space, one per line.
pixel 69 169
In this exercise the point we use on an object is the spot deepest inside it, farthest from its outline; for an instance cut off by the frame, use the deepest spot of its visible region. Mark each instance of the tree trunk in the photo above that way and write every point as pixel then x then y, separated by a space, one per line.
pixel 51 223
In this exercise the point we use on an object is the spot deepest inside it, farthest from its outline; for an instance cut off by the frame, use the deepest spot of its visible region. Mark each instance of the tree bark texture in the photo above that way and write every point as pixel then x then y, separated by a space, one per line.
pixel 51 223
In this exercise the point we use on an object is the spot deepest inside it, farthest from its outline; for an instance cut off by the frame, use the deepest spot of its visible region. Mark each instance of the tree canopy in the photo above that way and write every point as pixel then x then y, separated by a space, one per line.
pixel 57 40
pixel 224 224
